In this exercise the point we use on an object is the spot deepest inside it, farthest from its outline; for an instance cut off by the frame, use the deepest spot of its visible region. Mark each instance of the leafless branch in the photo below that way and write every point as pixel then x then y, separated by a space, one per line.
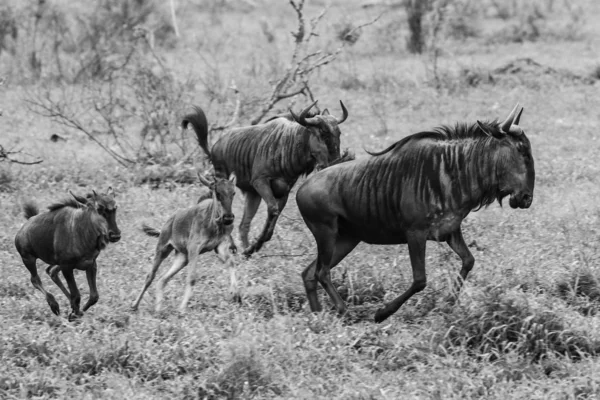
pixel 303 63
pixel 6 155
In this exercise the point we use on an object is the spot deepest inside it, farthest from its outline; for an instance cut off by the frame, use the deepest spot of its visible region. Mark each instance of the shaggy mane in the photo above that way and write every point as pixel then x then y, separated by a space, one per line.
pixel 67 202
pixel 460 131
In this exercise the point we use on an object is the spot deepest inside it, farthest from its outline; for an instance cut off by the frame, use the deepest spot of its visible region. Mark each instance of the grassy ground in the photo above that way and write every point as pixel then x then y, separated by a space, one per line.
pixel 526 325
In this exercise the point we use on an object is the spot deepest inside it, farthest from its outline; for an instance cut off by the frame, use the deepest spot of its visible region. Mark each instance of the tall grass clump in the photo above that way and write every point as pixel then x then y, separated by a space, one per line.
pixel 581 290
pixel 502 322
pixel 243 375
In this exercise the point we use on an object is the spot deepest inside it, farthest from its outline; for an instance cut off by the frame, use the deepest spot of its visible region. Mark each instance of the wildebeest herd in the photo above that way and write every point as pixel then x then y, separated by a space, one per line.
pixel 418 189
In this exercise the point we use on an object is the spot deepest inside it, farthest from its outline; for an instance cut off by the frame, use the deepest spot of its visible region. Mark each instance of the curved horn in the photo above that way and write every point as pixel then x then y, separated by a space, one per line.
pixel 301 119
pixel 344 113
pixel 518 118
pixel 204 181
pixel 505 126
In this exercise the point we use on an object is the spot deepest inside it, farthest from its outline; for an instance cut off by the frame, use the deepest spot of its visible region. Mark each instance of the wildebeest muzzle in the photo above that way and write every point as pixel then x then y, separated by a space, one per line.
pixel 228 219
pixel 114 237
pixel 520 200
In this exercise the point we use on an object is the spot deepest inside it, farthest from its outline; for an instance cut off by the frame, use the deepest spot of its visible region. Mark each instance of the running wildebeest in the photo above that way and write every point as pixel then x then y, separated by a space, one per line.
pixel 268 159
pixel 191 232
pixel 418 189
pixel 70 235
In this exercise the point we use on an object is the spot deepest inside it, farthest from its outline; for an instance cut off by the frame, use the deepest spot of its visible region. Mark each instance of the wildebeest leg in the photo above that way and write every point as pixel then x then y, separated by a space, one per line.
pixel 416 249
pixel 75 295
pixel 457 243
pixel 180 261
pixel 227 258
pixel 37 283
pixel 263 187
pixel 52 272
pixel 90 273
pixel 252 202
pixel 343 246
pixel 162 252
pixel 194 252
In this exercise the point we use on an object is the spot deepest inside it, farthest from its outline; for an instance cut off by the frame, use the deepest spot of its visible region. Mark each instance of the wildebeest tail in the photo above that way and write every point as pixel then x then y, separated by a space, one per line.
pixel 30 209
pixel 200 125
pixel 150 231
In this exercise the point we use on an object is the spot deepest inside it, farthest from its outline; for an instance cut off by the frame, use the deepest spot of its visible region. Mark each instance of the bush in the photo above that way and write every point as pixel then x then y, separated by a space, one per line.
pixel 505 322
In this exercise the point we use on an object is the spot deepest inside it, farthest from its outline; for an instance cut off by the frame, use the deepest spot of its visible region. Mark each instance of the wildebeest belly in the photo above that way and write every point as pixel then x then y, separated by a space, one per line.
pixel 371 233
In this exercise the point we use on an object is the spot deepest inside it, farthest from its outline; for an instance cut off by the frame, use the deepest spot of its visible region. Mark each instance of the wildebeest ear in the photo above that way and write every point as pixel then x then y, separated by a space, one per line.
pixel 110 192
pixel 233 178
pixel 325 112
pixel 79 199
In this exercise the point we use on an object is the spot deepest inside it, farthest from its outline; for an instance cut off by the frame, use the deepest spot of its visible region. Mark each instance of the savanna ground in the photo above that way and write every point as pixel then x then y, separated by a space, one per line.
pixel 526 325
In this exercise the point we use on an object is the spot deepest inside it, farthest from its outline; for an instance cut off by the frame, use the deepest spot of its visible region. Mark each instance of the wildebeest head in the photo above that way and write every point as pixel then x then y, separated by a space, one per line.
pixel 325 128
pixel 515 171
pixel 106 206
pixel 223 191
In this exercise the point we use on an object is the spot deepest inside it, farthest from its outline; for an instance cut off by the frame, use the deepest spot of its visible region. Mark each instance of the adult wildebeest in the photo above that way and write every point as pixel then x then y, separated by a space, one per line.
pixel 268 159
pixel 69 236
pixel 193 231
pixel 418 189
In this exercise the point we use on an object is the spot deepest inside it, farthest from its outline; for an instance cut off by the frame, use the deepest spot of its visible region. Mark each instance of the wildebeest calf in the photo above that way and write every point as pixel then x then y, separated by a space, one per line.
pixel 193 231
pixel 69 236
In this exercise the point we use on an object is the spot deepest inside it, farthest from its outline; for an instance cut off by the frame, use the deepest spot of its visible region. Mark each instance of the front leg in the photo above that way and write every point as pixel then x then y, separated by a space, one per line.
pixel 226 257
pixel 263 188
pixel 90 273
pixel 457 243
pixel 416 249
pixel 75 295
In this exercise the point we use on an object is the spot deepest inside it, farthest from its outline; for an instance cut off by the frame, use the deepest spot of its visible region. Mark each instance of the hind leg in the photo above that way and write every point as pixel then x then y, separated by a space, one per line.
pixel 263 187
pixel 252 202
pixel 178 264
pixel 161 253
pixel 37 283
pixel 52 272
pixel 331 249
pixel 226 257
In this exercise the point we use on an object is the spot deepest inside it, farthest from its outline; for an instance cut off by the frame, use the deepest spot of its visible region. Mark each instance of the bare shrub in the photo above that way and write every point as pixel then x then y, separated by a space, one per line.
pixel 73 43
pixel 304 61
pixel 141 96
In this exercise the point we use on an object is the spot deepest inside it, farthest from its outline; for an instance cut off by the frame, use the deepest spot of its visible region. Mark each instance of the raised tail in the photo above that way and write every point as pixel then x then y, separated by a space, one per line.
pixel 30 209
pixel 200 125
pixel 150 231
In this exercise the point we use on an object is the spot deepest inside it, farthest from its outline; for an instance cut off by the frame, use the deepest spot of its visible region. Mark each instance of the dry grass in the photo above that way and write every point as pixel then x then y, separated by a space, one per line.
pixel 526 325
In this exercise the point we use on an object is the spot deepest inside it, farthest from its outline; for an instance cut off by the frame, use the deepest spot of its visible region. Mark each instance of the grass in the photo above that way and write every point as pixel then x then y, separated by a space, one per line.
pixel 525 326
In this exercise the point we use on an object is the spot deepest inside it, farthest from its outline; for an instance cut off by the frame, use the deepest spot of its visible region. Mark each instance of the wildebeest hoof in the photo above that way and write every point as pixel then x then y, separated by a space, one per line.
pixel 55 308
pixel 380 315
pixel 74 316
pixel 248 251
pixel 233 249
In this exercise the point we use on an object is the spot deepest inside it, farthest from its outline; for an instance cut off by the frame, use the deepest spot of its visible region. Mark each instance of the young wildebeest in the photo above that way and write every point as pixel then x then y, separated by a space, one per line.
pixel 268 159
pixel 418 189
pixel 191 232
pixel 69 236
